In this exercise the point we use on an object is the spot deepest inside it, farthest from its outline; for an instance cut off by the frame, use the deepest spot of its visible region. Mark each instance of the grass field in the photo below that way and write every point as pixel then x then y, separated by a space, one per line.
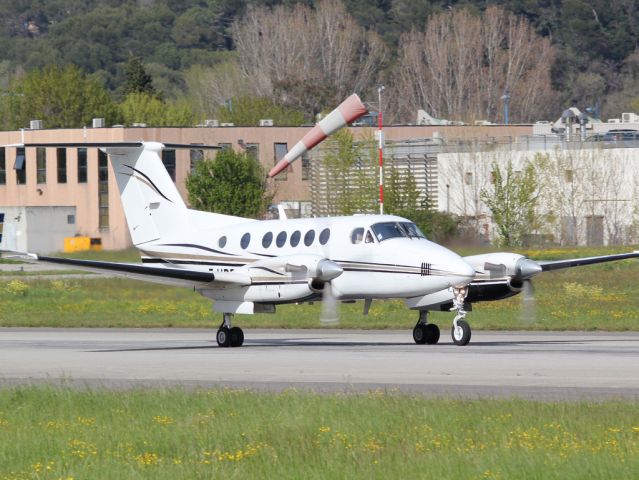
pixel 54 433
pixel 600 297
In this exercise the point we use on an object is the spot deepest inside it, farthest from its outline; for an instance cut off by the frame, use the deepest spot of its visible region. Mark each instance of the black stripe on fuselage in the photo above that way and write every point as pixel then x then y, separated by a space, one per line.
pixel 199 247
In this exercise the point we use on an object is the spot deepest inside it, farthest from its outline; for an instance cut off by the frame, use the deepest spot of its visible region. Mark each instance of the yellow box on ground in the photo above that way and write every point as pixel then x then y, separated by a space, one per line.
pixel 79 244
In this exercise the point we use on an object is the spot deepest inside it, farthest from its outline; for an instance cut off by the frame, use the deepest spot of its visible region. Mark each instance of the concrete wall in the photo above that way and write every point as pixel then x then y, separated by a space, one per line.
pixel 37 229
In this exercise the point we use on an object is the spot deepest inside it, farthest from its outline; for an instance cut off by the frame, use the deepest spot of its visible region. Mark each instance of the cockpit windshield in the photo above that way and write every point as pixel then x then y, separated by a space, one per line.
pixel 385 230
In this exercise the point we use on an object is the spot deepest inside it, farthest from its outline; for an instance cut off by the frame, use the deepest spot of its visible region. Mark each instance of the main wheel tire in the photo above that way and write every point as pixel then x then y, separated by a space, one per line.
pixel 419 334
pixel 461 334
pixel 431 332
pixel 223 337
pixel 237 337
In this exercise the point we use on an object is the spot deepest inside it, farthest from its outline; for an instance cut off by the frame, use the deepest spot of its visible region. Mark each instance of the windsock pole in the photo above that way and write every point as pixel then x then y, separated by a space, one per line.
pixel 380 136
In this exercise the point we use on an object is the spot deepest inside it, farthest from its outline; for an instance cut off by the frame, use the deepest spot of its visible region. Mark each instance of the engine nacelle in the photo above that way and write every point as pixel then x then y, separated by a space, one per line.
pixel 493 290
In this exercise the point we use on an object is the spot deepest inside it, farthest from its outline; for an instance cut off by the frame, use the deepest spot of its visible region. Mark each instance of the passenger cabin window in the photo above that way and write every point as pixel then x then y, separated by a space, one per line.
pixel 309 237
pixel 246 239
pixel 221 242
pixel 385 230
pixel 295 238
pixel 324 236
pixel 267 239
pixel 281 239
pixel 357 236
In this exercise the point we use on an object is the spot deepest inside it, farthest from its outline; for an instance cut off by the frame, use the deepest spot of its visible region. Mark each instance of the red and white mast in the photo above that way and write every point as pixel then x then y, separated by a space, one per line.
pixel 380 139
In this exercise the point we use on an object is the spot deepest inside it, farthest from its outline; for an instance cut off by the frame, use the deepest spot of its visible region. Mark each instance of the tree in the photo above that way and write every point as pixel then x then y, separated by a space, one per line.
pixel 233 184
pixel 147 109
pixel 62 97
pixel 513 201
pixel 247 110
pixel 402 198
pixel 345 179
pixel 284 47
pixel 136 78
pixel 461 65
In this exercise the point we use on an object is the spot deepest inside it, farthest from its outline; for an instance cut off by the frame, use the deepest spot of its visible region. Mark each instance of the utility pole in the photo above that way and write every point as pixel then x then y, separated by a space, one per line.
pixel 506 98
pixel 380 138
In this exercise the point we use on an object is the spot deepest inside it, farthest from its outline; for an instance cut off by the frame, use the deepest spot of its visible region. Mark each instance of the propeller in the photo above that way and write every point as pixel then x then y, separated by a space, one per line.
pixel 330 306
pixel 525 269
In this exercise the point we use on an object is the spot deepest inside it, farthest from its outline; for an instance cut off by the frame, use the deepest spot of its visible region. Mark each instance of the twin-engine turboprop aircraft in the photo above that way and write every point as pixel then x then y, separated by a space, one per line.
pixel 249 266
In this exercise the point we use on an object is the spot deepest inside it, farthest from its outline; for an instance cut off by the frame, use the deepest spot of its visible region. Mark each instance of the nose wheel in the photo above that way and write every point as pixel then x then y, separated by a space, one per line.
pixel 461 333
pixel 227 335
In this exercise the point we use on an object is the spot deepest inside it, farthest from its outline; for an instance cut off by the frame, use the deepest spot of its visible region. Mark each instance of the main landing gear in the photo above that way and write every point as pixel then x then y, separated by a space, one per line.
pixel 428 333
pixel 425 332
pixel 227 335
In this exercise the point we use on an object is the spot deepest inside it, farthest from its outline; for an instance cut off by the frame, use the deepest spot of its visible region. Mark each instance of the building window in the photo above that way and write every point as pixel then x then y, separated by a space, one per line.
pixel 20 166
pixel 168 159
pixel 196 156
pixel 225 146
pixel 103 189
pixel 3 166
pixel 281 149
pixel 253 150
pixel 568 176
pixel 82 165
pixel 306 166
pixel 61 155
pixel 41 165
pixel 468 178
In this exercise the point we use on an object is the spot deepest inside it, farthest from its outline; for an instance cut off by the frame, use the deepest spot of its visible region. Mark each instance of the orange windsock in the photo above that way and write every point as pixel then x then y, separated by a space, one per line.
pixel 348 111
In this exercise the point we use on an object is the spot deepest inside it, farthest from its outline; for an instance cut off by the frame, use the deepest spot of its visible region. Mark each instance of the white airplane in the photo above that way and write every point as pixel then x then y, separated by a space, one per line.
pixel 249 266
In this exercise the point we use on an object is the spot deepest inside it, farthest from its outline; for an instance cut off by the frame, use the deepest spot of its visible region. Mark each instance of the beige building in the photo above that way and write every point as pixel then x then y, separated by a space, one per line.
pixel 80 179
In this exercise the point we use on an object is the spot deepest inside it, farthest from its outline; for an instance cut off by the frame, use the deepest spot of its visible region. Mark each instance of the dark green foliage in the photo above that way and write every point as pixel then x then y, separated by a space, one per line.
pixel 248 111
pixel 594 38
pixel 233 184
pixel 136 78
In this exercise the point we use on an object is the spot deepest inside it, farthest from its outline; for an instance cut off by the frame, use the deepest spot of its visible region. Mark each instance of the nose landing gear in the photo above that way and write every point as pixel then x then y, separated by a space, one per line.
pixel 461 329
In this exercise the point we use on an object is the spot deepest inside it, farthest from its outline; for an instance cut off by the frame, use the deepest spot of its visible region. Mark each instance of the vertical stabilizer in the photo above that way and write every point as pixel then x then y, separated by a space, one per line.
pixel 152 204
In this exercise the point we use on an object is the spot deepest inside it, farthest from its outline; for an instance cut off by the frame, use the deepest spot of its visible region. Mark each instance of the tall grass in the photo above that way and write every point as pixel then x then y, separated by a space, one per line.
pixel 56 433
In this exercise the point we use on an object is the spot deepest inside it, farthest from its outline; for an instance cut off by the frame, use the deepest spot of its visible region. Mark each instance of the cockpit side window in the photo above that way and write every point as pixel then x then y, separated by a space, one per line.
pixel 385 230
pixel 369 237
pixel 357 235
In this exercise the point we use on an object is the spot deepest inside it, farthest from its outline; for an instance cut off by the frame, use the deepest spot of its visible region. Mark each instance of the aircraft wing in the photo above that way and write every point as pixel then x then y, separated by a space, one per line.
pixel 155 274
pixel 577 262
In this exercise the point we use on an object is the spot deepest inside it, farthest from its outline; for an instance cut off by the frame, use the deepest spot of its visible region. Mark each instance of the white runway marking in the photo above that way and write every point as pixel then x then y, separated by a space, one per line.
pixel 544 365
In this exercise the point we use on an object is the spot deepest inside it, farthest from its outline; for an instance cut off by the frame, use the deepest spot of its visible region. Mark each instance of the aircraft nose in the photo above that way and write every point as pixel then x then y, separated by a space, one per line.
pixel 462 272
pixel 457 272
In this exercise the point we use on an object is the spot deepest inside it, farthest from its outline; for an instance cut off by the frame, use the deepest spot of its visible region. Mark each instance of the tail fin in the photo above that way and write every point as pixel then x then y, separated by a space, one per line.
pixel 152 204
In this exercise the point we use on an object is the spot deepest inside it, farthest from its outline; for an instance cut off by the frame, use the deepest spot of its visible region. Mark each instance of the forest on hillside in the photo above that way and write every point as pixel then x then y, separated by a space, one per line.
pixel 241 60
